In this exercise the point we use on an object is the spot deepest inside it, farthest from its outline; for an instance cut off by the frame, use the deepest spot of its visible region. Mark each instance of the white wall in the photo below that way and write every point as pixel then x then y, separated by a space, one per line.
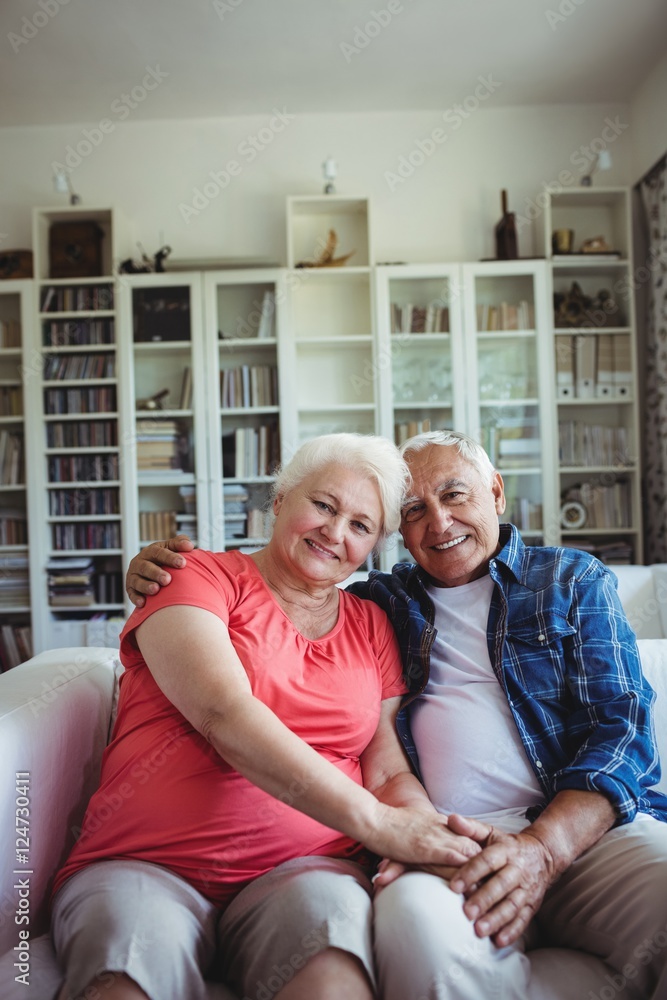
pixel 649 121
pixel 444 210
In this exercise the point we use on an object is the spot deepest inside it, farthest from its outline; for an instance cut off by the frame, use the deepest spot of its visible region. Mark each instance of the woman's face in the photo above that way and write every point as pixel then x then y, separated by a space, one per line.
pixel 328 524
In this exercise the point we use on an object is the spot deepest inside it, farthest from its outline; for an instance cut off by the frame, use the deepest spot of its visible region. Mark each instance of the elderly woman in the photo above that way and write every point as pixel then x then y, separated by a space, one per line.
pixel 254 768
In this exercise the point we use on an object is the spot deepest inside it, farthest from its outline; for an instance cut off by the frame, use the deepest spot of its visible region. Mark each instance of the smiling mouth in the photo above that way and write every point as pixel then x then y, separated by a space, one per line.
pixel 450 545
pixel 318 548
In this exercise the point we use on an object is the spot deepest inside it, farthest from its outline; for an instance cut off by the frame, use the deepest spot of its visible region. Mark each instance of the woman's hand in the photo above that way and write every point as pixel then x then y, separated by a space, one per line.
pixel 420 838
pixel 145 574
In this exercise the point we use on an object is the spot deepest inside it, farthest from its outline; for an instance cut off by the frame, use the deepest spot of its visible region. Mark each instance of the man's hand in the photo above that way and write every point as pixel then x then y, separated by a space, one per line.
pixel 145 574
pixel 461 845
pixel 505 883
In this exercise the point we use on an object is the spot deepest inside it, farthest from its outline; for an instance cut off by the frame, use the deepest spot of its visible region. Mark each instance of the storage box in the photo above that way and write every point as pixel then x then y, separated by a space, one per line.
pixel 75 249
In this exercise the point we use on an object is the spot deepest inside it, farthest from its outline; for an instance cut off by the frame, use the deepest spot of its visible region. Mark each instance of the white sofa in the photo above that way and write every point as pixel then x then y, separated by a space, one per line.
pixel 55 713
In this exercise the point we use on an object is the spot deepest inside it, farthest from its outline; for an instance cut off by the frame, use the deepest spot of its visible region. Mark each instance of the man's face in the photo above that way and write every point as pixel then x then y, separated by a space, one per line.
pixel 450 522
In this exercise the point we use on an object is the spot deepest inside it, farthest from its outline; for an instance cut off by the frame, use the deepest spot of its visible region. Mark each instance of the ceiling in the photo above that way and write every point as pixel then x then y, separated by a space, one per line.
pixel 67 61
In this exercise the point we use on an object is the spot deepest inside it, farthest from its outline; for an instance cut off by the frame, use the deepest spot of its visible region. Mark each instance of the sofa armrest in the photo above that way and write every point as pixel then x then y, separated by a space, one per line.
pixel 54 724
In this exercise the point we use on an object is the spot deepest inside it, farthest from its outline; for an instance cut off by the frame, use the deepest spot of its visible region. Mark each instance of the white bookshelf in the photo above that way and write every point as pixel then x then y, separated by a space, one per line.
pixel 596 414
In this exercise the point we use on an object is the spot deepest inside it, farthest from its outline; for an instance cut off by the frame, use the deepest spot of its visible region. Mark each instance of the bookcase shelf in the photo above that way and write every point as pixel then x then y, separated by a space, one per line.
pixel 596 403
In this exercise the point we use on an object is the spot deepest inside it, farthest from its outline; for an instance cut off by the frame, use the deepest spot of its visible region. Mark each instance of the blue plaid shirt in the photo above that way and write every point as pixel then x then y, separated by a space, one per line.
pixel 566 658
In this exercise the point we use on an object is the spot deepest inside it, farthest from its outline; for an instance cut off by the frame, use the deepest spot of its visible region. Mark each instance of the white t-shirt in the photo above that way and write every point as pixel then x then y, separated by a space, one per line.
pixel 470 752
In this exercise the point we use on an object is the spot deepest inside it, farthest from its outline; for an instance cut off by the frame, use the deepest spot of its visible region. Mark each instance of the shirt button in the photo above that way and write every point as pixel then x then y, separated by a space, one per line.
pixel 538 763
pixel 541 637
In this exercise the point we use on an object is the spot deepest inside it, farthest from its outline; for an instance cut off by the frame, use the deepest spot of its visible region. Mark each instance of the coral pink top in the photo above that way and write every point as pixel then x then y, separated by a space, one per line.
pixel 167 797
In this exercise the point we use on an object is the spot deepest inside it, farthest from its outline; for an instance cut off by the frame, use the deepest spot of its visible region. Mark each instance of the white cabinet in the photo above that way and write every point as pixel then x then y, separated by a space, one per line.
pixel 330 324
pixel 466 347
pixel 247 392
pixel 164 408
pixel 509 386
pixel 77 523
pixel 16 446
pixel 596 407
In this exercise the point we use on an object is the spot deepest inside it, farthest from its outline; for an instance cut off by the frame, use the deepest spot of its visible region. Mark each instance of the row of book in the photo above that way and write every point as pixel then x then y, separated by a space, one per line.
pixel 408 318
pixel 586 444
pixel 154 524
pixel 248 452
pixel 12 459
pixel 86 535
pixel 83 468
pixel 63 367
pixel 506 316
pixel 82 434
pixel 249 385
pixel 97 399
pixel 408 429
pixel 76 581
pixel 82 332
pixel 78 502
pixel 15 645
pixel 590 366
pixel 76 298
pixel 10 334
pixel 11 401
pixel 605 505
pixel 13 526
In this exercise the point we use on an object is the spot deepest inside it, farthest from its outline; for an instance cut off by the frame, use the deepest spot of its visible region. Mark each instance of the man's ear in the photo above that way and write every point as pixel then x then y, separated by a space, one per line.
pixel 498 490
pixel 277 503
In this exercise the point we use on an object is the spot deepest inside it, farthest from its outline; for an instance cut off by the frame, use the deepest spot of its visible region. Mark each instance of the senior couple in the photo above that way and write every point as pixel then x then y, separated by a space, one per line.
pixel 479 721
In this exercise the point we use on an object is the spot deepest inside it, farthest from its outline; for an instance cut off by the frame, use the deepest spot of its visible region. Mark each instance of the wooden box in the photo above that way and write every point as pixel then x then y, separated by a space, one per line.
pixel 75 249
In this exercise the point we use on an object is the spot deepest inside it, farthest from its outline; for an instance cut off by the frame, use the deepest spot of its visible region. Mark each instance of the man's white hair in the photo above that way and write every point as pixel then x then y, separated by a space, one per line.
pixel 467 447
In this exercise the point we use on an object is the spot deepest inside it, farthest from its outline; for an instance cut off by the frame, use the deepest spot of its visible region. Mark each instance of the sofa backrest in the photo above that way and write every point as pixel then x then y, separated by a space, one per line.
pixel 643 594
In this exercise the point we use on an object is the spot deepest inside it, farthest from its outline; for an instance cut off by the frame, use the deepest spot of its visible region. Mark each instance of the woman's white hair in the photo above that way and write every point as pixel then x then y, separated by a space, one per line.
pixel 466 446
pixel 374 458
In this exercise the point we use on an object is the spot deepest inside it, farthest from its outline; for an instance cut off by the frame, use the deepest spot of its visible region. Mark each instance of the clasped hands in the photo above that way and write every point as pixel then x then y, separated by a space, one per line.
pixel 503 885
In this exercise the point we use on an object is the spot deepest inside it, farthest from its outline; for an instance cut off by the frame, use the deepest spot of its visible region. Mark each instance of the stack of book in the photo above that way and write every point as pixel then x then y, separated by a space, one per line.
pixel 15 645
pixel 235 499
pixel 158 445
pixel 14 581
pixel 70 582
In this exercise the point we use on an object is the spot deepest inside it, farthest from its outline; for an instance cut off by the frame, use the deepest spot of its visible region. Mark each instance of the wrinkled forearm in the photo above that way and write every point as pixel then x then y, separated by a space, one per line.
pixel 571 823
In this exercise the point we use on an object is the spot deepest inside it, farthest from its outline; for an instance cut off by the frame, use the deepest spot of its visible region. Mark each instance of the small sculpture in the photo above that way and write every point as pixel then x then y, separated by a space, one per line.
pixel 326 256
pixel 153 402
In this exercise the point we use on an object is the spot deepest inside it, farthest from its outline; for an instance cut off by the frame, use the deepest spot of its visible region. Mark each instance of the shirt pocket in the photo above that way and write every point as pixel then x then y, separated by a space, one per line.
pixel 535 646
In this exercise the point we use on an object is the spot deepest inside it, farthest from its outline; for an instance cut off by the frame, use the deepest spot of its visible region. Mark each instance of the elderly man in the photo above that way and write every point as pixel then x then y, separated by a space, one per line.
pixel 528 711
